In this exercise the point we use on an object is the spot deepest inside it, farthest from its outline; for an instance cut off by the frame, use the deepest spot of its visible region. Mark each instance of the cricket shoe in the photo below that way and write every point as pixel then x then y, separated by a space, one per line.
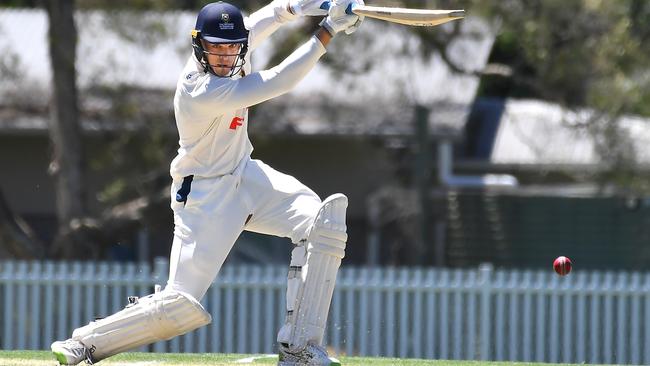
pixel 311 355
pixel 71 352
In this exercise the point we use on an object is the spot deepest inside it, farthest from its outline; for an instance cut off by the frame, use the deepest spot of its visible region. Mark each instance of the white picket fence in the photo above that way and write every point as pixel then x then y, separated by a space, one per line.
pixel 407 313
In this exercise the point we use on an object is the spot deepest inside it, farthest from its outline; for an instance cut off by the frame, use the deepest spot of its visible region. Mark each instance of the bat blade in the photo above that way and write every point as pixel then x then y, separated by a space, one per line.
pixel 415 17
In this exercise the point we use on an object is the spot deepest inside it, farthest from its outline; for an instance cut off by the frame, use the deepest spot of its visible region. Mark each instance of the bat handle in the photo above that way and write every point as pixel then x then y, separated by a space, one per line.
pixel 326 6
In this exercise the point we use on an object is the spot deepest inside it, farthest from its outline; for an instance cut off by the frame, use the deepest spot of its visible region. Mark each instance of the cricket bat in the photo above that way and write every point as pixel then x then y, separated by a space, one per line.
pixel 416 17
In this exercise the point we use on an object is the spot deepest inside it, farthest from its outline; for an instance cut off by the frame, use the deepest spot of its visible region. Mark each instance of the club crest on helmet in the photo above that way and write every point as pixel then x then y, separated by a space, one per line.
pixel 225 22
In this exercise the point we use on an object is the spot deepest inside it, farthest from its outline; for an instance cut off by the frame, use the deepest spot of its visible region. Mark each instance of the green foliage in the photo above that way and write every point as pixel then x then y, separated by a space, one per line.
pixel 582 54
pixel 577 53
pixel 146 31
pixel 19 3
pixel 161 4
pixel 138 145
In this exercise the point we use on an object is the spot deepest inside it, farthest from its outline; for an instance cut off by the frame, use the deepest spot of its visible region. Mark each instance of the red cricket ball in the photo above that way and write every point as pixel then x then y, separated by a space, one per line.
pixel 562 265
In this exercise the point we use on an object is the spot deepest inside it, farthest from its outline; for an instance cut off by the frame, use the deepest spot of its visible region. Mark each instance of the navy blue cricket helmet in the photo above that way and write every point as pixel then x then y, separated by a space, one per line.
pixel 220 22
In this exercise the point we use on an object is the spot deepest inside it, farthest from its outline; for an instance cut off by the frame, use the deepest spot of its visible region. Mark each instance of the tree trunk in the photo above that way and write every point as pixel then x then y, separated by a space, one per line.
pixel 65 132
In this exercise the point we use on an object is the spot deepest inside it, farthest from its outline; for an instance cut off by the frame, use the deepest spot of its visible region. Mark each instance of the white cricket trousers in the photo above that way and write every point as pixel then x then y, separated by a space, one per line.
pixel 210 213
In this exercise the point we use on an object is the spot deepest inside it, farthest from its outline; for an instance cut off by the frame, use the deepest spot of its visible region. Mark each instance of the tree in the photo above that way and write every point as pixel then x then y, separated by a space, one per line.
pixel 65 131
pixel 582 55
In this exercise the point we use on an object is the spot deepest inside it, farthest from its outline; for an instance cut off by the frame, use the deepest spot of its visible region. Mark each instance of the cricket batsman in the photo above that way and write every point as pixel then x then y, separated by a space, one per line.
pixel 218 190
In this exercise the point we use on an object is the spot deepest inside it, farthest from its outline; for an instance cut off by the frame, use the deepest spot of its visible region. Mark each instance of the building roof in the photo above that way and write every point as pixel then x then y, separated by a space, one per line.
pixel 371 92
pixel 535 133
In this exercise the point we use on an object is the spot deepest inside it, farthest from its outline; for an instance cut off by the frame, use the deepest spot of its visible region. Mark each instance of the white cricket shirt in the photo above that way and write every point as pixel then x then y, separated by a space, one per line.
pixel 212 112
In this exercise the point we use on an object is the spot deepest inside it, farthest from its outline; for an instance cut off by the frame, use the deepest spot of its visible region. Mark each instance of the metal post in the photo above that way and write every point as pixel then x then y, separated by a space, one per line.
pixel 423 184
pixel 160 271
pixel 373 208
pixel 143 245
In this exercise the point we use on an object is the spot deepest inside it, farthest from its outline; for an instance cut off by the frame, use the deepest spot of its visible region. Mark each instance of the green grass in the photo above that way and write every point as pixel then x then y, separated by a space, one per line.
pixel 42 358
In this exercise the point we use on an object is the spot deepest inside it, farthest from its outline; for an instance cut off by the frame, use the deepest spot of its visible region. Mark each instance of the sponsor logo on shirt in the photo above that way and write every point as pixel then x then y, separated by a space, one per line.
pixel 236 122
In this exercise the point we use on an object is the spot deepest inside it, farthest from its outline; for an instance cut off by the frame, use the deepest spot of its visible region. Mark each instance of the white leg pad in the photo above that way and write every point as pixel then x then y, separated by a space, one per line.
pixel 156 317
pixel 325 249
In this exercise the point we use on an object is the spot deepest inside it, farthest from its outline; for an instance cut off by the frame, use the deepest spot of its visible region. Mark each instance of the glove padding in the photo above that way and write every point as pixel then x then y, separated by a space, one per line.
pixel 338 20
pixel 309 7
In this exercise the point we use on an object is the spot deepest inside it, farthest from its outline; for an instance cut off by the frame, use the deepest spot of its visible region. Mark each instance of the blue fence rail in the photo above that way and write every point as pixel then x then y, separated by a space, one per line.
pixel 477 314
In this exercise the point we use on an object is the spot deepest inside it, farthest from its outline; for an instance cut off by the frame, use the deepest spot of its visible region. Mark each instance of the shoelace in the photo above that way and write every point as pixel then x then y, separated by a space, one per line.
pixel 88 354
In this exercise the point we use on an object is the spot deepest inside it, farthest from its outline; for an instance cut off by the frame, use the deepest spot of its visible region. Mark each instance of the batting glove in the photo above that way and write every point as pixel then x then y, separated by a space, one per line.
pixel 309 7
pixel 340 17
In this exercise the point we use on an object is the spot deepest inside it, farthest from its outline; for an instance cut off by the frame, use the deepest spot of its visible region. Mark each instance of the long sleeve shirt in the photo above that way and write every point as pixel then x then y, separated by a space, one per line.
pixel 212 112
